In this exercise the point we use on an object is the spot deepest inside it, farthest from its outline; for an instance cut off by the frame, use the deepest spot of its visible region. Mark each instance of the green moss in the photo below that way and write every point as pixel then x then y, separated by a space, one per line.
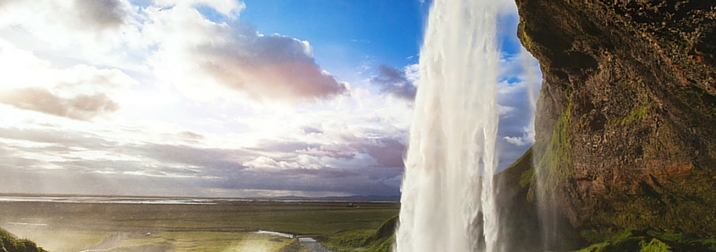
pixel 621 241
pixel 522 35
pixel 655 245
pixel 630 244
pixel 555 166
pixel 649 240
pixel 593 236
pixel 680 238
pixel 638 113
pixel 675 205
pixel 568 92
pixel 527 177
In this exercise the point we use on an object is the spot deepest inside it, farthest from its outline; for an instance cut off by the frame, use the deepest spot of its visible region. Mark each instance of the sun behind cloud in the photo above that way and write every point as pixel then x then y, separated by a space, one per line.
pixel 181 98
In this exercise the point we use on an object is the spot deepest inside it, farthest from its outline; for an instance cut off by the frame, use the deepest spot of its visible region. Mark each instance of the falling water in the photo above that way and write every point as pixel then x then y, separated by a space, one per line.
pixel 447 195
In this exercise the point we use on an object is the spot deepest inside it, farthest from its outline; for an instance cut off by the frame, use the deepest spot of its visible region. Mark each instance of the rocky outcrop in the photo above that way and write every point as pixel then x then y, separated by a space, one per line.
pixel 626 121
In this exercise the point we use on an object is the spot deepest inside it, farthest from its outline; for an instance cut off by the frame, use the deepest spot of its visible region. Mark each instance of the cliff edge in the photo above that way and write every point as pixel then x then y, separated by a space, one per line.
pixel 626 119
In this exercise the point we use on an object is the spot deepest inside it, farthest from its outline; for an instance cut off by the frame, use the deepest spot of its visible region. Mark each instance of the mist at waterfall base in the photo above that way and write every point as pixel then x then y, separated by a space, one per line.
pixel 447 201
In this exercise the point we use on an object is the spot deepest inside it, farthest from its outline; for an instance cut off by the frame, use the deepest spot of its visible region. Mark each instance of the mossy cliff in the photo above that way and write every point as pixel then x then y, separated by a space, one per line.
pixel 626 120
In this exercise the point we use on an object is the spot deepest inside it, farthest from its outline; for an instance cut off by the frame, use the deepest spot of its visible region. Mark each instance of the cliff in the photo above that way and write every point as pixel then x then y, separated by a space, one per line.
pixel 626 120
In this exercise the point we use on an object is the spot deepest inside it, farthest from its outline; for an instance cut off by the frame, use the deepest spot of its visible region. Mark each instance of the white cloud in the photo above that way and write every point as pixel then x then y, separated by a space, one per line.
pixel 507 7
pixel 527 139
pixel 173 43
pixel 83 29
pixel 81 92
pixel 229 8
pixel 517 94
pixel 206 59
pixel 179 100
pixel 412 72
pixel 395 82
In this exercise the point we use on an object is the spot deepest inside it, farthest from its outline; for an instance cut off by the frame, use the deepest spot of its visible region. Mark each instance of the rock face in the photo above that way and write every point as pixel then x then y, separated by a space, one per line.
pixel 626 121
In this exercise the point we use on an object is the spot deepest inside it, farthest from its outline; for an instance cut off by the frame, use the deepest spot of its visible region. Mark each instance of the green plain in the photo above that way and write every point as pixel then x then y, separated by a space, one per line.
pixel 227 226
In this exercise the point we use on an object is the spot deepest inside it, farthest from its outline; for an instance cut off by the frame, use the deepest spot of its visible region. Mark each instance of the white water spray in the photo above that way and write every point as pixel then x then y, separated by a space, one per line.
pixel 448 199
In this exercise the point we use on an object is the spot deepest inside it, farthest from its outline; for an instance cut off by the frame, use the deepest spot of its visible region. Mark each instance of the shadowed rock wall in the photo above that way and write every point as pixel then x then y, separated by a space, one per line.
pixel 626 120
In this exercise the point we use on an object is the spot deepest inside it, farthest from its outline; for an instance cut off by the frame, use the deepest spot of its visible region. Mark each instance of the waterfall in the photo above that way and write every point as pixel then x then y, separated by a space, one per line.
pixel 448 195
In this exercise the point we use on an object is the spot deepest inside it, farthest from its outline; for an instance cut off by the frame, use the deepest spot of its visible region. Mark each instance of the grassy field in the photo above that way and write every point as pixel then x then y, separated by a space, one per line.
pixel 226 226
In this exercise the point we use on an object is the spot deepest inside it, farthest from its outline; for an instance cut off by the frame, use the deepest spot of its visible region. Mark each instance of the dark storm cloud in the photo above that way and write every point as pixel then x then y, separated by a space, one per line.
pixel 79 107
pixel 394 82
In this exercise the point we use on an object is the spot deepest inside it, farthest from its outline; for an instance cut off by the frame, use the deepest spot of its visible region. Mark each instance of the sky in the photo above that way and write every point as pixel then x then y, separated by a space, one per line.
pixel 224 98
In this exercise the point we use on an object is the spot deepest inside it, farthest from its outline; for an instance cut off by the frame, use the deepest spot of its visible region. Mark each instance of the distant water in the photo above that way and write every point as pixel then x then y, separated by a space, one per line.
pixel 284 235
pixel 113 200
pixel 169 200
pixel 448 199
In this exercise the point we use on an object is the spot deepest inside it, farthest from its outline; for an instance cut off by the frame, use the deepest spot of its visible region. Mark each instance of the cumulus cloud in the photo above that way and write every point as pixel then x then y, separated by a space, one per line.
pixel 516 98
pixel 100 13
pixel 80 92
pixel 197 53
pixel 81 107
pixel 412 73
pixel 528 137
pixel 157 91
pixel 352 153
pixel 395 82
pixel 205 58
pixel 229 8
pixel 93 25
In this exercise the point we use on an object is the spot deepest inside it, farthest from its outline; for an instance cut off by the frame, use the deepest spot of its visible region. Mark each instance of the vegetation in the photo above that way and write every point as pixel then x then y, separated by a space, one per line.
pixel 224 226
pixel 380 240
pixel 555 166
pixel 632 239
pixel 10 243
pixel 638 113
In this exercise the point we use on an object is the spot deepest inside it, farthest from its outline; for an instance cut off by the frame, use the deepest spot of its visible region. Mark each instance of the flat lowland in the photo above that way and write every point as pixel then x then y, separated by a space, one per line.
pixel 211 226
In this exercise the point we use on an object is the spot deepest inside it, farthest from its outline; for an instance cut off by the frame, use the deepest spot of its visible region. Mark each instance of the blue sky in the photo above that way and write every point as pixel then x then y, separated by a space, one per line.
pixel 223 98
pixel 383 31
